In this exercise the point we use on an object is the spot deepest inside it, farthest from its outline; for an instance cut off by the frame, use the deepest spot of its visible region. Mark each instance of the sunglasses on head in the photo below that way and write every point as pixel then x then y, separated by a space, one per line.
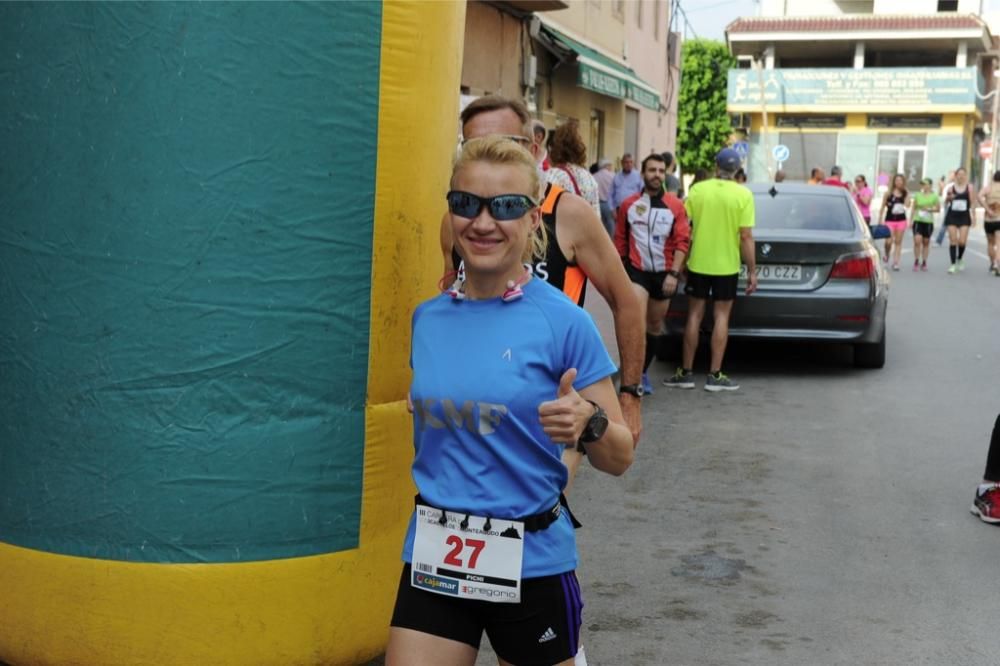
pixel 516 138
pixel 502 207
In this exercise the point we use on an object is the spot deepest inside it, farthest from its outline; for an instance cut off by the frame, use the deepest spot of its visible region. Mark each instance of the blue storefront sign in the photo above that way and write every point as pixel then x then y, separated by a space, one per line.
pixel 883 89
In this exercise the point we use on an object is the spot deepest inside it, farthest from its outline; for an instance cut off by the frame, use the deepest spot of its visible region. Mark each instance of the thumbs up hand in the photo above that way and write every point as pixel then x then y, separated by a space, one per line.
pixel 564 418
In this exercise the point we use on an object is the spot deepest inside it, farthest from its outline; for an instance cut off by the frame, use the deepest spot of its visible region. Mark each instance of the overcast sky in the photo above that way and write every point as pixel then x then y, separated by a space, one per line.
pixel 709 18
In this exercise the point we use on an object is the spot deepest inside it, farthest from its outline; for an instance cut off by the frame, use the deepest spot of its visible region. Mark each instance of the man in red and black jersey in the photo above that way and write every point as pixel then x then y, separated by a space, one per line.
pixel 653 237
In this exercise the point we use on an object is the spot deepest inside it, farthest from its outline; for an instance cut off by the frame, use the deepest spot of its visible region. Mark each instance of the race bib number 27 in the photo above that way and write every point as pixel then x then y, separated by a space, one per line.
pixel 471 562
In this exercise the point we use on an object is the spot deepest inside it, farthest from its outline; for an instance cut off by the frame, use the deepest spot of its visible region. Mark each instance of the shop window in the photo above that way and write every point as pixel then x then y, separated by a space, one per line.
pixel 808 150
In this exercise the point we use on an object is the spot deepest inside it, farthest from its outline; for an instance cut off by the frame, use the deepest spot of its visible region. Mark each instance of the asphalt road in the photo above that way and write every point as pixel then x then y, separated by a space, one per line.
pixel 820 514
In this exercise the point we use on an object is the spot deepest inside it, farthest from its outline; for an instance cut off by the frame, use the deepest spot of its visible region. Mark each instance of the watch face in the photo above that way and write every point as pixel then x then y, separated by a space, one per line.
pixel 596 426
pixel 634 389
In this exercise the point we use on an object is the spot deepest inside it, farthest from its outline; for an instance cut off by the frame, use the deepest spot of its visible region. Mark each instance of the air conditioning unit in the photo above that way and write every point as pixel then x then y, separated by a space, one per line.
pixel 529 71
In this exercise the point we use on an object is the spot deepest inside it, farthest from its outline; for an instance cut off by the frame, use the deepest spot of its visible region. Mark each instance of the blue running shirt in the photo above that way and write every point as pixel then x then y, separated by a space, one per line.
pixel 480 371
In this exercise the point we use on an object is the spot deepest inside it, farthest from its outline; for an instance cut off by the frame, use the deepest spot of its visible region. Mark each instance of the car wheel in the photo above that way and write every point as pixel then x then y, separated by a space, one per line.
pixel 669 348
pixel 870 355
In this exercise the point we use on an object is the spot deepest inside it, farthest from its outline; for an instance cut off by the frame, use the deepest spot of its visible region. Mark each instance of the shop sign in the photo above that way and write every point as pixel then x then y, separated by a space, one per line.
pixel 904 122
pixel 594 79
pixel 886 89
pixel 813 122
pixel 598 81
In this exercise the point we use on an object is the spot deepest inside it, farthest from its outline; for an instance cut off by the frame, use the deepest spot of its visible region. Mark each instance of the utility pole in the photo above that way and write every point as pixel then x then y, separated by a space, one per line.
pixel 993 131
pixel 763 107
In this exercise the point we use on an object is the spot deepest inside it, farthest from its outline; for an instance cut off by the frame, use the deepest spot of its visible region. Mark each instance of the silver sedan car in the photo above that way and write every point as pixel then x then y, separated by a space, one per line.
pixel 818 271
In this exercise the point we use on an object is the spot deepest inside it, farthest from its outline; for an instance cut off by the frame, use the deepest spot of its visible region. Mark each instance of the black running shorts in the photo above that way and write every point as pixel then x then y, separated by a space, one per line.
pixel 924 229
pixel 543 629
pixel 652 282
pixel 718 287
pixel 991 227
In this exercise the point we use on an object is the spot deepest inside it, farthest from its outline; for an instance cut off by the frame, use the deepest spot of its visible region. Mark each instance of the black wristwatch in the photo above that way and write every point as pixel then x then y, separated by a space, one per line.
pixel 632 389
pixel 596 427
pixel 673 273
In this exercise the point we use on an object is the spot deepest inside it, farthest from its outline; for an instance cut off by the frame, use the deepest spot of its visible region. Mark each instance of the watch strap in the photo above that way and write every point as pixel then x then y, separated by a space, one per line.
pixel 632 389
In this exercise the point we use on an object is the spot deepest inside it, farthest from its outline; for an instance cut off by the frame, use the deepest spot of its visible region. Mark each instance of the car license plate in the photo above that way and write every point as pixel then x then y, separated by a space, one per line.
pixel 775 272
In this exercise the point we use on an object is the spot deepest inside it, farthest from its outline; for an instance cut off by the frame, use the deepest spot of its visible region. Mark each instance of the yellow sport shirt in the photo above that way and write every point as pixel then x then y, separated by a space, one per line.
pixel 718 209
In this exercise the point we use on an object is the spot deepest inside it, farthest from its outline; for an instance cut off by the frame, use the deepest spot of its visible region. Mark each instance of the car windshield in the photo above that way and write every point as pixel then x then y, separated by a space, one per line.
pixel 802 211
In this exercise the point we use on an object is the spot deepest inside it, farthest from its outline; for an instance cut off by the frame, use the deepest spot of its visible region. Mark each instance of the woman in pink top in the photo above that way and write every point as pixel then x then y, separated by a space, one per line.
pixel 863 197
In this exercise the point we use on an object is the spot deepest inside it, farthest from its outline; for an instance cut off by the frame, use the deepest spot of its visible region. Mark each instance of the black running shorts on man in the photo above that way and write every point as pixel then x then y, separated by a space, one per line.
pixel 651 282
pixel 717 287
pixel 543 629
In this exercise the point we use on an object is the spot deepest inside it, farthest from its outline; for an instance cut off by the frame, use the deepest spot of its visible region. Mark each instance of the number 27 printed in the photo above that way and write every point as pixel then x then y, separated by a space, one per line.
pixel 457 545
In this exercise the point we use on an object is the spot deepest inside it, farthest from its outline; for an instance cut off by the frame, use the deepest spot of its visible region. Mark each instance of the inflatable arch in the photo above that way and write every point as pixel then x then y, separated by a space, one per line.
pixel 215 221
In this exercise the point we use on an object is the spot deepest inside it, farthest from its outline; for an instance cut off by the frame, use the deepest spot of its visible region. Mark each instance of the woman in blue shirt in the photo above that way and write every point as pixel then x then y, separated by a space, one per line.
pixel 506 373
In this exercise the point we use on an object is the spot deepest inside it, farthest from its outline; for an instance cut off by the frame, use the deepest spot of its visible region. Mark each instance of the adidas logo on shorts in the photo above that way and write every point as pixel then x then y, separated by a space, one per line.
pixel 547 636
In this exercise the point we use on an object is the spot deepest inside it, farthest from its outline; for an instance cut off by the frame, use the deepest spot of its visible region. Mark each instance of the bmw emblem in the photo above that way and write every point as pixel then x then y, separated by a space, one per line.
pixel 765 249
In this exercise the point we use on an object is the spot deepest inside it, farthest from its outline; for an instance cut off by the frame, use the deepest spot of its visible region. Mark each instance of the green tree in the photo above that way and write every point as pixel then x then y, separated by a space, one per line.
pixel 702 122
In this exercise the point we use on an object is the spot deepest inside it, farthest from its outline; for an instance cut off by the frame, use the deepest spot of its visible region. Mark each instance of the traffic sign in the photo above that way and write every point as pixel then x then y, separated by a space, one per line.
pixel 986 149
pixel 743 148
pixel 781 153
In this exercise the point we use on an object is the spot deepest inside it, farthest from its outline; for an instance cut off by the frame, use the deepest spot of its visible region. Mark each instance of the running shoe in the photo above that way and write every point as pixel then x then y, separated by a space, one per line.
pixel 647 388
pixel 952 269
pixel 680 379
pixel 986 505
pixel 923 267
pixel 961 264
pixel 720 382
pixel 916 266
pixel 895 267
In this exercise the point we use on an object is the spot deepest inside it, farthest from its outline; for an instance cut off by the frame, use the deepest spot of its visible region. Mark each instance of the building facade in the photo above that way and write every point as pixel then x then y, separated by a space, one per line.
pixel 654 53
pixel 878 87
pixel 604 63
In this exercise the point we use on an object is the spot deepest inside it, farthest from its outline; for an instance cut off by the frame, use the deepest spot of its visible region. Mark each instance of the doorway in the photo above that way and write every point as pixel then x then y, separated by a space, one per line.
pixel 596 145
pixel 903 157
pixel 632 132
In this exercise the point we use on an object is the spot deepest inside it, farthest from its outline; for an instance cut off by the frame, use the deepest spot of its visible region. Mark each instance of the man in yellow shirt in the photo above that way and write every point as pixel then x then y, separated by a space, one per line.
pixel 722 219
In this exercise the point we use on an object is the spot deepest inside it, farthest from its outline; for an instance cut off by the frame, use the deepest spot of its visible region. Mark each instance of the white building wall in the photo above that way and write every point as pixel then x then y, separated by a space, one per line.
pixel 814 7
pixel 646 35
pixel 841 7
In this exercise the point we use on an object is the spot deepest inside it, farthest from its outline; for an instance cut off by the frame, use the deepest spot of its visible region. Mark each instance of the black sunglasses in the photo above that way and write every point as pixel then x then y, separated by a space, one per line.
pixel 502 207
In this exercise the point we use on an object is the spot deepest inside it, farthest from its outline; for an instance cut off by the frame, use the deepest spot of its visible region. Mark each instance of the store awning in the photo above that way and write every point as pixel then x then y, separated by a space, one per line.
pixel 598 72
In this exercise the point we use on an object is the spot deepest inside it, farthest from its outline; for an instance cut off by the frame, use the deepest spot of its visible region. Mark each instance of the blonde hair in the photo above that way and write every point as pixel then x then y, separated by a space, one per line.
pixel 500 150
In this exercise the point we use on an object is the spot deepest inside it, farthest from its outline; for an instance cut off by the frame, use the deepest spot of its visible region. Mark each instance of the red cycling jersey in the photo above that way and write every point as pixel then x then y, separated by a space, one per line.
pixel 649 230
